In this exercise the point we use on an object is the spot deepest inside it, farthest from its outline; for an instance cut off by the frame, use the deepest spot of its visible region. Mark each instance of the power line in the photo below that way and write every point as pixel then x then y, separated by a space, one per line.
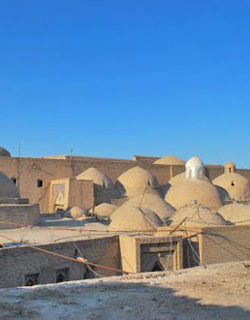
pixel 68 258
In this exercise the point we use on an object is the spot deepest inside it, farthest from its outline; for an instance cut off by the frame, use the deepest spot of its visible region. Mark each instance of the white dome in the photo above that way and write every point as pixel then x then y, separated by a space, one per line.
pixel 195 169
pixel 194 162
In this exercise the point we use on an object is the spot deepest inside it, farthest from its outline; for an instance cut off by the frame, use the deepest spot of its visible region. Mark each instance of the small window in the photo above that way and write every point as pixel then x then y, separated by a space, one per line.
pixel 31 279
pixel 39 183
pixel 14 180
pixel 232 184
pixel 157 267
pixel 62 275
pixel 88 272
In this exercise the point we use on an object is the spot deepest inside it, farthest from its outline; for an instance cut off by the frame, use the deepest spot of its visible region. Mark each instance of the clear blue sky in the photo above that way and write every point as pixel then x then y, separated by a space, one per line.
pixel 115 78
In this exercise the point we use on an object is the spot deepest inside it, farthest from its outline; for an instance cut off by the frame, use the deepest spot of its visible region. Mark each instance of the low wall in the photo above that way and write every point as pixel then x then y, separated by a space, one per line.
pixel 17 263
pixel 19 214
pixel 225 244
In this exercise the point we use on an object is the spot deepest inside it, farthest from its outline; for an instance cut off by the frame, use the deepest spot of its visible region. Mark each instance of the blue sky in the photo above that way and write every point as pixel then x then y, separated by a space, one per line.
pixel 116 78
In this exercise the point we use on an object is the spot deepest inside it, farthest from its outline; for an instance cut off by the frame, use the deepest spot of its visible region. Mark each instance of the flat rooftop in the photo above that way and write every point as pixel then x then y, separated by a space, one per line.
pixel 55 229
pixel 196 293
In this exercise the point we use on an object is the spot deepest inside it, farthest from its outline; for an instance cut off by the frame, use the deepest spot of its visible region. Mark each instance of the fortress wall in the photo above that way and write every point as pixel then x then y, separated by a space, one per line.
pixel 18 262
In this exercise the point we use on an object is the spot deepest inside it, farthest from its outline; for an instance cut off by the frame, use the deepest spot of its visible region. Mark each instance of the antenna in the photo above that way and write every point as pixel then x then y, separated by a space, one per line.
pixel 18 162
pixel 19 149
pixel 71 151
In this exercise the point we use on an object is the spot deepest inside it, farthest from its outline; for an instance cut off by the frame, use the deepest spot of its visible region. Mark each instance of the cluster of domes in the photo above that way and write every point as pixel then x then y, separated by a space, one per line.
pixel 191 198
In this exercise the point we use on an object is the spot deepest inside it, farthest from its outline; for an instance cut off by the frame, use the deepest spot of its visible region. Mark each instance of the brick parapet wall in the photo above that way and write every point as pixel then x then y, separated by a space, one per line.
pixel 16 262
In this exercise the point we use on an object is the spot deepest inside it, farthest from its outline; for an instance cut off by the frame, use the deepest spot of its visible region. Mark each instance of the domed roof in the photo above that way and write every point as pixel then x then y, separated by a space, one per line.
pixel 236 213
pixel 98 177
pixel 196 216
pixel 194 162
pixel 170 161
pixel 4 152
pixel 178 178
pixel 230 165
pixel 137 177
pixel 200 190
pixel 8 190
pixel 104 209
pixel 152 202
pixel 76 212
pixel 235 184
pixel 128 218
pixel 136 180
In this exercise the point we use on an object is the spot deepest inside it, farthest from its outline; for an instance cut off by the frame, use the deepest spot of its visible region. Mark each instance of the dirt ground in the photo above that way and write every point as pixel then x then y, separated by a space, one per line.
pixel 217 292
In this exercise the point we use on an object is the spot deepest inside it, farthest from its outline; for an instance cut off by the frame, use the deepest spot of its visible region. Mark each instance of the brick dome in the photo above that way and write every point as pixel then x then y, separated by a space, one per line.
pixel 200 190
pixel 194 215
pixel 170 161
pixel 152 202
pixel 98 177
pixel 136 180
pixel 236 213
pixel 129 218
pixel 235 184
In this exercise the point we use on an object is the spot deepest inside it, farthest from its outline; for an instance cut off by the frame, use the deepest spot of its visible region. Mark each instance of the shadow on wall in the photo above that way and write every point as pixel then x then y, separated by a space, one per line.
pixel 111 301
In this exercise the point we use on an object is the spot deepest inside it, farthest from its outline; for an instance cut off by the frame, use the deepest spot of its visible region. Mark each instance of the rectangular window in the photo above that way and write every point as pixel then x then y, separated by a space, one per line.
pixel 14 180
pixel 39 183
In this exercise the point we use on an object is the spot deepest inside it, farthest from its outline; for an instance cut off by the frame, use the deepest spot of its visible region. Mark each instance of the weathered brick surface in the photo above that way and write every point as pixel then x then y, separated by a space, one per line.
pixel 17 262
pixel 225 244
